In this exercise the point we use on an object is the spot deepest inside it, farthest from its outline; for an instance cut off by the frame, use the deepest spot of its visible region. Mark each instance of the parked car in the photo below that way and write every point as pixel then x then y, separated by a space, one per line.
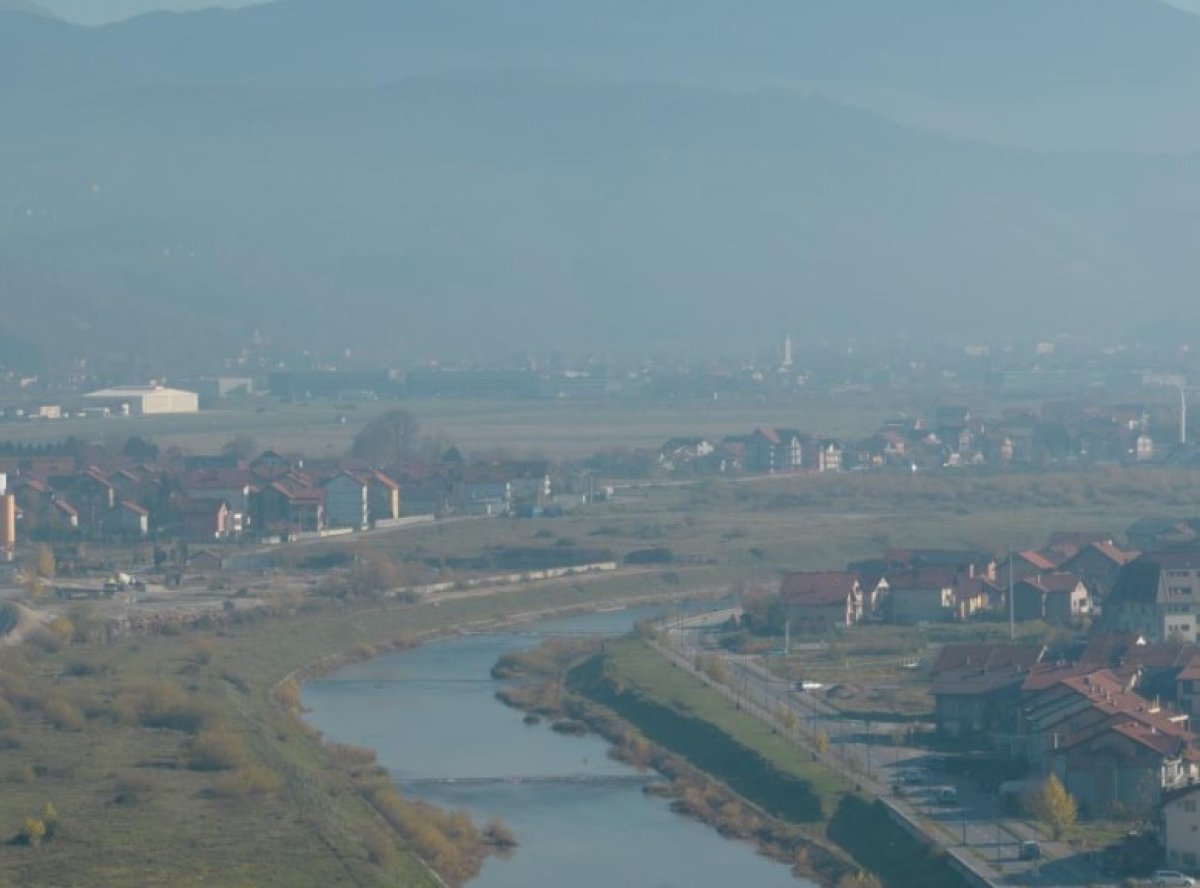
pixel 947 795
pixel 1173 878
pixel 1031 850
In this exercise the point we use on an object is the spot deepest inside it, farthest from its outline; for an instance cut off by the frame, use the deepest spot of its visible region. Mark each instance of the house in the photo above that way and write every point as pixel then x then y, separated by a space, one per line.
pixel 1156 532
pixel 289 508
pixel 774 450
pixel 1108 744
pixel 1058 597
pixel 486 490
pixel 977 688
pixel 968 562
pixel 816 602
pixel 205 519
pixel 678 454
pixel 1027 563
pixel 383 498
pixel 1181 828
pixel 922 595
pixel 821 455
pixel 229 484
pixel 347 501
pixel 1098 562
pixel 127 519
pixel 530 483
pixel 1157 595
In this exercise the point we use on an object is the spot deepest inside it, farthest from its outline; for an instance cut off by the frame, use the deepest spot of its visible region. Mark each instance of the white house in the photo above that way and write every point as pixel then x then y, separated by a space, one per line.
pixel 1181 828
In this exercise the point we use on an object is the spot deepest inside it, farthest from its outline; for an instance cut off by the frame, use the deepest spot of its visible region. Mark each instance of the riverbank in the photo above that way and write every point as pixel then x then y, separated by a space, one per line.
pixel 171 760
pixel 681 715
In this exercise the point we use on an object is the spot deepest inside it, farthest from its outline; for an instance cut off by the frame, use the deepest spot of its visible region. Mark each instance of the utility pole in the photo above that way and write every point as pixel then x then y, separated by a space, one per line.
pixel 787 638
pixel 1012 620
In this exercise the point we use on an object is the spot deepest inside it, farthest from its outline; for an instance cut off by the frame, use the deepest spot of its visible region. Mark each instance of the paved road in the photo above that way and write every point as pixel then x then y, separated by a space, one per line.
pixel 865 751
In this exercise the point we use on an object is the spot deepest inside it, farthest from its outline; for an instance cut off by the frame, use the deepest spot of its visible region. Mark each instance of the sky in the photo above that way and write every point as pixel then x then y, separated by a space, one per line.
pixel 95 12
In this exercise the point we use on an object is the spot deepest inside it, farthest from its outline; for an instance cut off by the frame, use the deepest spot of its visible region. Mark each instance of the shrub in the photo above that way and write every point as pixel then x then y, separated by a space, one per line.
pixel 131 789
pixel 167 705
pixel 203 650
pixel 288 695
pixel 253 780
pixel 64 629
pixel 32 832
pixel 51 820
pixel 217 749
pixel 64 715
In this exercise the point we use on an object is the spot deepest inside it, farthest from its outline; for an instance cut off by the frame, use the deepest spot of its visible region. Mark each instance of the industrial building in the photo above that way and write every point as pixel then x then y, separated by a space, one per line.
pixel 145 400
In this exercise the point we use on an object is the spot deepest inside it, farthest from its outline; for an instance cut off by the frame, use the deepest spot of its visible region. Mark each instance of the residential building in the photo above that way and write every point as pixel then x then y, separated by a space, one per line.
pixel 774 450
pixel 816 602
pixel 347 501
pixel 127 519
pixel 977 688
pixel 205 520
pixel 922 595
pixel 1181 828
pixel 1058 597
pixel 1157 595
pixel 383 498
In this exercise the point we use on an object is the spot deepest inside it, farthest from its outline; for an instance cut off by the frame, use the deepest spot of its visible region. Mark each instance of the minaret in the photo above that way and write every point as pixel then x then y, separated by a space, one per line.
pixel 786 361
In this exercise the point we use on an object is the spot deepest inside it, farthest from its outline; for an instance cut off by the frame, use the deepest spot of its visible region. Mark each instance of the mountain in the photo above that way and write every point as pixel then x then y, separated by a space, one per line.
pixel 24 7
pixel 468 177
pixel 487 215
pixel 1060 74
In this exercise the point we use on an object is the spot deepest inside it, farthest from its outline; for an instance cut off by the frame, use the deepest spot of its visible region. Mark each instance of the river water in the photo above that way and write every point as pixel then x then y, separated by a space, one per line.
pixel 581 818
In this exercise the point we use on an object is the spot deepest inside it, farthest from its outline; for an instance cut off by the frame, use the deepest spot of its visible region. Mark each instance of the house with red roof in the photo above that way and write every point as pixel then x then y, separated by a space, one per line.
pixel 977 688
pixel 1108 744
pixel 816 602
pixel 1056 597
pixel 773 450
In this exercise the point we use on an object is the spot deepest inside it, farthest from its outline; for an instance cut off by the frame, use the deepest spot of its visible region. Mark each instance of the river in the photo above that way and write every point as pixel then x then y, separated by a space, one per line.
pixel 581 818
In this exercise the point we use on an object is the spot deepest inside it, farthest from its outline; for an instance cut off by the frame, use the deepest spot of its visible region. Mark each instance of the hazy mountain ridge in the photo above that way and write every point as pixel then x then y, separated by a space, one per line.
pixel 472 215
pixel 1049 73
pixel 275 167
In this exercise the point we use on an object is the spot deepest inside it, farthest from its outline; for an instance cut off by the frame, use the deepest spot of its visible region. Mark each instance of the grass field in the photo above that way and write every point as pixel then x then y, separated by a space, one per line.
pixel 553 429
pixel 640 669
pixel 132 810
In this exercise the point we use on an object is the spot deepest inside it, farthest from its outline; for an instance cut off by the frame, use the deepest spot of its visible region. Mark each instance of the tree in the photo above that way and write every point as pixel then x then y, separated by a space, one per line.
pixel 1055 807
pixel 241 447
pixel 388 439
pixel 140 449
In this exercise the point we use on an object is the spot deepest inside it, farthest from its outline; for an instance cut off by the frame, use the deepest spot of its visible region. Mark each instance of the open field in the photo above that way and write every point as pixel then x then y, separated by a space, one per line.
pixel 553 429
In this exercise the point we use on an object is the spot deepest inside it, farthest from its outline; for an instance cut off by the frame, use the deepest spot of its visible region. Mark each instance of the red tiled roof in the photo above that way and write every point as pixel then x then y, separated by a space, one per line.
pixel 1037 559
pixel 1059 581
pixel 817 588
pixel 986 657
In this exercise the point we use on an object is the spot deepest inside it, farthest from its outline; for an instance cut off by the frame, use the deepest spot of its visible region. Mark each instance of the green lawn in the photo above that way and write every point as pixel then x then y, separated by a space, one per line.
pixel 641 669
